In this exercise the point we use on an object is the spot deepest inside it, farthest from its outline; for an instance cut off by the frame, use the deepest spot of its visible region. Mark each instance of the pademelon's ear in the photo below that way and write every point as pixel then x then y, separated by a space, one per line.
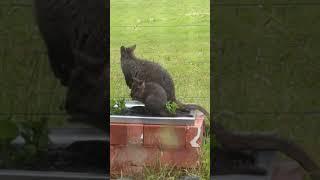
pixel 133 47
pixel 122 50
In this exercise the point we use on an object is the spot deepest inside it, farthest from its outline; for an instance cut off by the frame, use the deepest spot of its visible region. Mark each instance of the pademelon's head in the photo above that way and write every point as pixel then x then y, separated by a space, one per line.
pixel 137 89
pixel 127 52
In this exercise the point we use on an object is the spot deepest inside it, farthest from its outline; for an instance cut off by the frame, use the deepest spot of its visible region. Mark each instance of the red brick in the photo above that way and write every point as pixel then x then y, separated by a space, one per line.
pixel 201 120
pixel 138 156
pixel 192 134
pixel 169 145
pixel 113 152
pixel 164 136
pixel 173 157
pixel 129 159
pixel 126 170
pixel 128 155
pixel 153 156
pixel 135 134
pixel 181 158
pixel 120 165
pixel 118 134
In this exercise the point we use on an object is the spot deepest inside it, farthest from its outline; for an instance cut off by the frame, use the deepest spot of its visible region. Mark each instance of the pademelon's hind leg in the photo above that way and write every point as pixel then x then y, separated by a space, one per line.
pixel 156 106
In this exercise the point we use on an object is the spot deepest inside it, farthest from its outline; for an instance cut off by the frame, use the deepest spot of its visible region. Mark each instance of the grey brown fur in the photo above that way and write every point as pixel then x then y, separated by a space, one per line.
pixel 75 35
pixel 133 67
pixel 66 25
pixel 152 95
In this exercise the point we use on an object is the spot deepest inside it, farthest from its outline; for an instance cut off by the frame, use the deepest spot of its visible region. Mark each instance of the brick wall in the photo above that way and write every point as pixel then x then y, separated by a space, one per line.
pixel 132 146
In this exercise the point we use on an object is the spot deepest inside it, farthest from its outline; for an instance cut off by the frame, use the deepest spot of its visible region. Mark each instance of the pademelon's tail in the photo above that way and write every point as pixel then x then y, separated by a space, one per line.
pixel 189 107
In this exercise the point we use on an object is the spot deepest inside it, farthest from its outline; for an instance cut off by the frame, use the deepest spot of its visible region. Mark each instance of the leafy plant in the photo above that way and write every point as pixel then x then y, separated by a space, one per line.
pixel 8 132
pixel 171 107
pixel 117 106
pixel 35 135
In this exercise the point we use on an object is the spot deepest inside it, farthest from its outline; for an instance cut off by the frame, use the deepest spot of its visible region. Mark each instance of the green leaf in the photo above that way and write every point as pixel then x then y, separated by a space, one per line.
pixel 171 107
pixel 117 106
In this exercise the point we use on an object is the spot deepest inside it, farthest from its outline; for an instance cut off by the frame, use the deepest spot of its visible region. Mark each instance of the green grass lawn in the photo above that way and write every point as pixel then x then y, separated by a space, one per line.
pixel 175 34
